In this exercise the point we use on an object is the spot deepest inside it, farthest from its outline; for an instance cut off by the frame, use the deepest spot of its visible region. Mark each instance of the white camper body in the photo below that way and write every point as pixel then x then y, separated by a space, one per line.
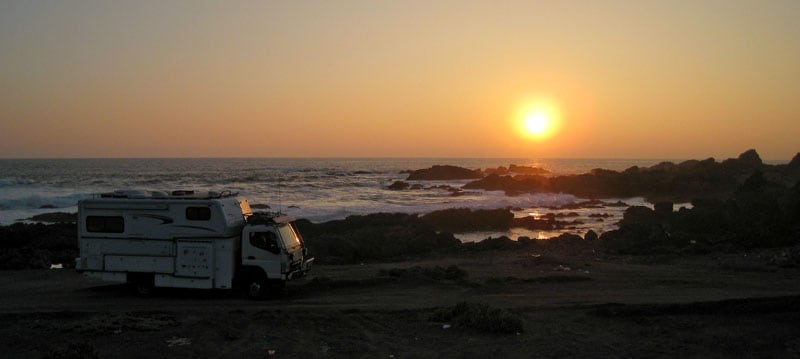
pixel 186 240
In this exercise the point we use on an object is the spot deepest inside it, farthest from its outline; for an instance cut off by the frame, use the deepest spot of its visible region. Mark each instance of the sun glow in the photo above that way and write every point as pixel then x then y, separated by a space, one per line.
pixel 537 123
pixel 537 120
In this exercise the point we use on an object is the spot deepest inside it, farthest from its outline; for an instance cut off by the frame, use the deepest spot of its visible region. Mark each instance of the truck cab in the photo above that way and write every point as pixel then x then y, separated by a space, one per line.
pixel 272 253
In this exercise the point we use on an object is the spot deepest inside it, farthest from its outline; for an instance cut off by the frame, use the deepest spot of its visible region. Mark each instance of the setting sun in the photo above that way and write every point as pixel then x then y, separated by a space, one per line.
pixel 538 119
pixel 537 124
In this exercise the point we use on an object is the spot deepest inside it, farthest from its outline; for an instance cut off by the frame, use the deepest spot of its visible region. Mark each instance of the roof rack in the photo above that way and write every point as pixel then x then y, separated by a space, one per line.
pixel 268 218
pixel 178 194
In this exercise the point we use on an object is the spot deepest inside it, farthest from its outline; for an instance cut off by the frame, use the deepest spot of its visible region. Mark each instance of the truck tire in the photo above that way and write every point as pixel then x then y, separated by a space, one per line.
pixel 142 283
pixel 256 287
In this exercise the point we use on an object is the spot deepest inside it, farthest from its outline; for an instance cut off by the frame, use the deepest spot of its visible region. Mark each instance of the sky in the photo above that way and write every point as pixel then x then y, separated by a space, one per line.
pixel 612 79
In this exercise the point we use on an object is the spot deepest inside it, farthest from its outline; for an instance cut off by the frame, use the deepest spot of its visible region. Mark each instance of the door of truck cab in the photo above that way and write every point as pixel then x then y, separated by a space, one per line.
pixel 262 247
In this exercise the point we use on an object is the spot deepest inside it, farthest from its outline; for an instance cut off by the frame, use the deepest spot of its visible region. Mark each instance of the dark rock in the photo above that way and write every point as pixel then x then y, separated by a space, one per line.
pixel 750 158
pixel 533 223
pixel 380 236
pixel 665 166
pixel 55 217
pixel 27 246
pixel 490 243
pixel 616 204
pixel 590 236
pixel 497 171
pixel 511 185
pixel 592 203
pixel 525 240
pixel 515 169
pixel 794 164
pixel 527 170
pixel 638 214
pixel 569 237
pixel 747 161
pixel 446 172
pixel 638 238
pixel 664 181
pixel 632 170
pixel 24 258
pixel 664 208
pixel 398 186
pixel 465 220
pixel 759 214
pixel 563 215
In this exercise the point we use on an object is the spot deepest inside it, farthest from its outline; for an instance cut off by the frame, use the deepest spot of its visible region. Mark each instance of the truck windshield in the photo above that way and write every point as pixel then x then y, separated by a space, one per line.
pixel 290 239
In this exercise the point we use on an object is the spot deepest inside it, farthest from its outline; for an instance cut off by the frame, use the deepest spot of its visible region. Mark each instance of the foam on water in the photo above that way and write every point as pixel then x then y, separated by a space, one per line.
pixel 316 189
pixel 7 182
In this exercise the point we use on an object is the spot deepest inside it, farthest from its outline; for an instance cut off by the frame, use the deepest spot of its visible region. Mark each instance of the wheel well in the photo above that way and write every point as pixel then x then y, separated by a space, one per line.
pixel 251 272
pixel 143 278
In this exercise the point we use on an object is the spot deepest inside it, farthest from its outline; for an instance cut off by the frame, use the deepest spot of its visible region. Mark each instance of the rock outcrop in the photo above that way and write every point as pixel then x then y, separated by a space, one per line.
pixel 758 214
pixel 443 173
pixel 29 246
pixel 684 181
pixel 380 236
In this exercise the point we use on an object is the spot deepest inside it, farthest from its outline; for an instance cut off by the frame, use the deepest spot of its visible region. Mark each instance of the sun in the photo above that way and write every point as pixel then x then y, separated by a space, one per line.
pixel 537 120
pixel 537 123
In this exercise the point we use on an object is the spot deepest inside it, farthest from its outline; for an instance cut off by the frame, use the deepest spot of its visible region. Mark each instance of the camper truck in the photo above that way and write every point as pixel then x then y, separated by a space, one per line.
pixel 187 239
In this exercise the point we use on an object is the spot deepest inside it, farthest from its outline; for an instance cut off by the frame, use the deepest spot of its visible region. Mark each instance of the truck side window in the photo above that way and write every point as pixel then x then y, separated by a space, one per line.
pixel 105 224
pixel 267 241
pixel 198 213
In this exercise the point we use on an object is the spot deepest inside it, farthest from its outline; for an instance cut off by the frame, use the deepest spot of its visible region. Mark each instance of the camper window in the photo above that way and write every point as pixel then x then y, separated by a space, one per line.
pixel 105 224
pixel 198 213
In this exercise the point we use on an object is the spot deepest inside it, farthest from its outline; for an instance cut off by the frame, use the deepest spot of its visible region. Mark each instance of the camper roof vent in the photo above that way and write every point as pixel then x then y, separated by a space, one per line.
pixel 178 194
pixel 159 194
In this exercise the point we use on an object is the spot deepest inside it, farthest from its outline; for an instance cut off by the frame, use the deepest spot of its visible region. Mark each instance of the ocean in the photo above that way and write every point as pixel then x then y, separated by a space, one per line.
pixel 318 189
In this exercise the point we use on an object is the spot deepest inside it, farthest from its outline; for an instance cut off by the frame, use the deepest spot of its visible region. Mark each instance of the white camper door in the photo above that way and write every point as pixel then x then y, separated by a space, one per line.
pixel 263 249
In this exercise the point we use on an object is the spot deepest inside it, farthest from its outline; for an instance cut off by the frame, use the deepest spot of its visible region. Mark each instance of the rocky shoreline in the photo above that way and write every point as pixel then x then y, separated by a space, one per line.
pixel 666 181
pixel 757 211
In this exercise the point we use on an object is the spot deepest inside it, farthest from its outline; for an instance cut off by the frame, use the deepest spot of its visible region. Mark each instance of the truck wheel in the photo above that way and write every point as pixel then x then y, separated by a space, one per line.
pixel 143 283
pixel 143 289
pixel 256 288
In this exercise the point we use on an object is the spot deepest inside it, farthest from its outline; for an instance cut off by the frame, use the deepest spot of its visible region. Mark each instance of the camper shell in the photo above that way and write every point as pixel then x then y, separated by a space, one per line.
pixel 187 239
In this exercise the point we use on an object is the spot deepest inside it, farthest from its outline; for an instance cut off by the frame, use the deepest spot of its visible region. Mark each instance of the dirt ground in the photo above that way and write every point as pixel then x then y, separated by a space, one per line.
pixel 570 301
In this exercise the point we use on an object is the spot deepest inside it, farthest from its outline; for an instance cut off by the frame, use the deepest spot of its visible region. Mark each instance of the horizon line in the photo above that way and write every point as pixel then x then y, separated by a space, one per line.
pixel 381 157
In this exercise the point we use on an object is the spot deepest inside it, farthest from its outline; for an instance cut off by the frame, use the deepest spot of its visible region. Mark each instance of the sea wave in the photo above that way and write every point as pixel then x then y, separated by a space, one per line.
pixel 316 189
pixel 15 181
pixel 325 211
pixel 41 201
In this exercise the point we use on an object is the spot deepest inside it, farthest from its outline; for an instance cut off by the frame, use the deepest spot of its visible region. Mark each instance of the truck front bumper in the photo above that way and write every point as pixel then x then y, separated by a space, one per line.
pixel 300 272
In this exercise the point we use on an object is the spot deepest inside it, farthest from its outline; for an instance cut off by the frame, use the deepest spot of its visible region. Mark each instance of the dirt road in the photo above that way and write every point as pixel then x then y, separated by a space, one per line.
pixel 716 305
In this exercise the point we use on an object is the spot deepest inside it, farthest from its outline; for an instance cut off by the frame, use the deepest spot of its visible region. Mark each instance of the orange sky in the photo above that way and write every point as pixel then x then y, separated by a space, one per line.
pixel 632 79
